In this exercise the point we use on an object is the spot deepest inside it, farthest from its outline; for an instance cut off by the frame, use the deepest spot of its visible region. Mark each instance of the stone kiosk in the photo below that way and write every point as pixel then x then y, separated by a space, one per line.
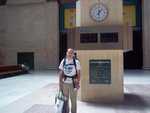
pixel 100 40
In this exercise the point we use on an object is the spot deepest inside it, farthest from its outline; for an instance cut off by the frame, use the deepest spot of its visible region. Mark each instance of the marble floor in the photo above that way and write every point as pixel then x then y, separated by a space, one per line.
pixel 35 92
pixel 13 88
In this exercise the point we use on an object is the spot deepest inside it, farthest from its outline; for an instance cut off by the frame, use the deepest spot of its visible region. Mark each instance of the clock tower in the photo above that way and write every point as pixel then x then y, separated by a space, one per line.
pixel 99 12
pixel 100 41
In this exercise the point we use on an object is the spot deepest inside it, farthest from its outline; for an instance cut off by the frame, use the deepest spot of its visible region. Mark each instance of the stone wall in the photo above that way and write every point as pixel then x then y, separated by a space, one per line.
pixel 30 28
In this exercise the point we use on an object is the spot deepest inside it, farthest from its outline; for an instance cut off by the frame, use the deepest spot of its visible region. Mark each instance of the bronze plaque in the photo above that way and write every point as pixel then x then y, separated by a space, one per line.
pixel 100 71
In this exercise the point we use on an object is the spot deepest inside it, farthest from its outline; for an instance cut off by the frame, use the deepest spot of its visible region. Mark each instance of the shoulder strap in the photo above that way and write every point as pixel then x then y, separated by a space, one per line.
pixel 74 62
pixel 64 62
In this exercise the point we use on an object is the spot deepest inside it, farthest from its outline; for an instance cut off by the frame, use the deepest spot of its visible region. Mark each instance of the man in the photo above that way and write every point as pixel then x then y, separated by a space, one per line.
pixel 69 78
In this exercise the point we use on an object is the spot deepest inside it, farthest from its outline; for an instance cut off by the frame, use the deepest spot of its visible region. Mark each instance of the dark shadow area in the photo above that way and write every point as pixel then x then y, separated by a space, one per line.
pixel 134 59
pixel 130 102
pixel 62 46
pixel 3 2
pixel 11 75
pixel 134 101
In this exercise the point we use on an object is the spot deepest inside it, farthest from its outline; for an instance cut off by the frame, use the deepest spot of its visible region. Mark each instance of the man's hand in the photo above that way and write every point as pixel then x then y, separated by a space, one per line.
pixel 77 83
pixel 78 76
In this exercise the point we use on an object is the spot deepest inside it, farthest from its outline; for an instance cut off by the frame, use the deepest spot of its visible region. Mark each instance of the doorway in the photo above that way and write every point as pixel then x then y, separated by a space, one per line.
pixel 62 45
pixel 26 58
pixel 134 58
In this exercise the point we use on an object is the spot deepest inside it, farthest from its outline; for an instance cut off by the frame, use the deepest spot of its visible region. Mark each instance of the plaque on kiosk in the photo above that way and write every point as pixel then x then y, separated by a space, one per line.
pixel 100 71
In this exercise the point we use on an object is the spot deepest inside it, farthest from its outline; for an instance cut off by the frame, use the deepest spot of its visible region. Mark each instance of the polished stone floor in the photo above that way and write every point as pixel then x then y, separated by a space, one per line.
pixel 35 92
pixel 13 88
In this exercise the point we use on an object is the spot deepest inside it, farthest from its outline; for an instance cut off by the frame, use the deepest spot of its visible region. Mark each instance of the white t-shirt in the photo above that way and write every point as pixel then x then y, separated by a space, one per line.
pixel 69 68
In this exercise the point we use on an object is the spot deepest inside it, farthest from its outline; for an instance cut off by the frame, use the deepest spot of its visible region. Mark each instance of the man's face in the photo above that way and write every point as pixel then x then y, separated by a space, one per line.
pixel 70 53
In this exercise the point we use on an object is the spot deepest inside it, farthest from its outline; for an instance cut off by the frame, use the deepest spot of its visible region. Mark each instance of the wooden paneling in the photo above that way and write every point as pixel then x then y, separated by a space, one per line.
pixel 129 15
pixel 146 34
pixel 127 38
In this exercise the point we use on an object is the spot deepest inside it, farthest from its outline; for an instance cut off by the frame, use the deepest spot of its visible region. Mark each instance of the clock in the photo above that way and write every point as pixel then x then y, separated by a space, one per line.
pixel 99 12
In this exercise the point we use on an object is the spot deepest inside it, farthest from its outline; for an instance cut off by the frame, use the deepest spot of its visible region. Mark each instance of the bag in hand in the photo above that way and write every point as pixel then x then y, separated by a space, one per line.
pixel 60 102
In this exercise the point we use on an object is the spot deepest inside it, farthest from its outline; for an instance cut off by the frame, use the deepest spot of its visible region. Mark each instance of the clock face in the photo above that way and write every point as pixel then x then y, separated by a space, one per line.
pixel 99 12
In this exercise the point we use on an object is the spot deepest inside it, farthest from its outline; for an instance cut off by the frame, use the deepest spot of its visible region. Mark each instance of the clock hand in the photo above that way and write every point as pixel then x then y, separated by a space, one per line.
pixel 99 12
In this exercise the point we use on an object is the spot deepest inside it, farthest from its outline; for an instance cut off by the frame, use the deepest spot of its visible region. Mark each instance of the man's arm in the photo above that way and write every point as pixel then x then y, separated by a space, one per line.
pixel 60 73
pixel 78 69
pixel 60 79
pixel 78 75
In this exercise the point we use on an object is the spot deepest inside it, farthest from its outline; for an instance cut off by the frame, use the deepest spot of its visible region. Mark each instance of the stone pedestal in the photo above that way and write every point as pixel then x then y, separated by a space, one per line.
pixel 101 75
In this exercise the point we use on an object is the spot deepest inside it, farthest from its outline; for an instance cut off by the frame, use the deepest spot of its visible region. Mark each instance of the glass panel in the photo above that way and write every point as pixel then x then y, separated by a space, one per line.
pixel 88 38
pixel 109 37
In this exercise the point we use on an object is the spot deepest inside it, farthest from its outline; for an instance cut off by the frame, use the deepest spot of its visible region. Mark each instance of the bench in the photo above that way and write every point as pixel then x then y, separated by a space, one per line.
pixel 11 70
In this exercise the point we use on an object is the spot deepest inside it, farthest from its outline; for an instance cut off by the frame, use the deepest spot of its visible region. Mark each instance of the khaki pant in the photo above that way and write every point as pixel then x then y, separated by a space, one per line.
pixel 68 90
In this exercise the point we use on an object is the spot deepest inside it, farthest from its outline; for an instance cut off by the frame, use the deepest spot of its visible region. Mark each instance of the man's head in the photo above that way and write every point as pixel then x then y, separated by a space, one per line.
pixel 70 53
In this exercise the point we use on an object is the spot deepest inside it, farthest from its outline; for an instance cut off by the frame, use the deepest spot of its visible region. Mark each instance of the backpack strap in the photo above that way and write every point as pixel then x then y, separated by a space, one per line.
pixel 74 62
pixel 64 62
